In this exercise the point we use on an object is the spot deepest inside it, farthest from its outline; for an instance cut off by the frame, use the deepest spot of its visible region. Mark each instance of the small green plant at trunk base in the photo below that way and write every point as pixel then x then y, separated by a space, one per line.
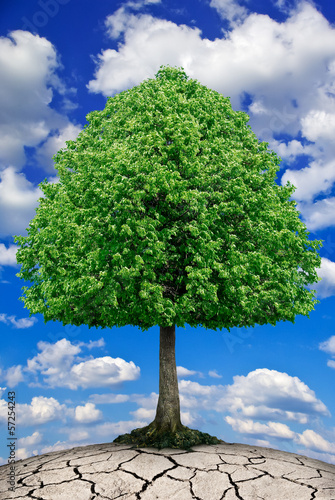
pixel 167 213
pixel 183 438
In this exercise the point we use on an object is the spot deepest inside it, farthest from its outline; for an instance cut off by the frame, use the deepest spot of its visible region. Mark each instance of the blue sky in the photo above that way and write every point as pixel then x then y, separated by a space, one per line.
pixel 59 60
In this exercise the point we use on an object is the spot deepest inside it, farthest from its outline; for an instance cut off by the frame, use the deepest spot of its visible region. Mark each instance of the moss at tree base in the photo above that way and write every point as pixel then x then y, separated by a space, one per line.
pixel 183 439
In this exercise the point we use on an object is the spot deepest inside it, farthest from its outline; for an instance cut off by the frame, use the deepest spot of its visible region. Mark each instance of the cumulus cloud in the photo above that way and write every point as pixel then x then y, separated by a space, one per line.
pixel 87 414
pixel 40 411
pixel 3 411
pixel 184 372
pixel 102 372
pixel 318 124
pixel 116 428
pixel 28 63
pixel 35 438
pixel 109 398
pixel 250 58
pixel 54 361
pixel 28 79
pixel 27 445
pixel 8 255
pixel 92 344
pixel 144 414
pixel 18 200
pixel 271 429
pixel 289 152
pixel 325 287
pixel 17 323
pixel 60 366
pixel 318 215
pixel 54 143
pixel 262 394
pixel 286 68
pixel 230 10
pixel 312 180
pixel 60 446
pixel 324 457
pixel 308 438
pixel 267 393
pixel 13 375
pixel 78 435
pixel 329 347
pixel 314 441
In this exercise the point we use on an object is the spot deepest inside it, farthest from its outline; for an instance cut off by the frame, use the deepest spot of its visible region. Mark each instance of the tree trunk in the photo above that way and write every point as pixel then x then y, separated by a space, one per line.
pixel 168 407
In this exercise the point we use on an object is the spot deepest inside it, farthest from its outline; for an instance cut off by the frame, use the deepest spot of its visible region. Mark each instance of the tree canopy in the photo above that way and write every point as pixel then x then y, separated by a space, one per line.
pixel 167 212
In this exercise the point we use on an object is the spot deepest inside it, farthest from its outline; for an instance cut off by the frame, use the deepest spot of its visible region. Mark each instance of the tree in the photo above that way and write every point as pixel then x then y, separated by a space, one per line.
pixel 167 212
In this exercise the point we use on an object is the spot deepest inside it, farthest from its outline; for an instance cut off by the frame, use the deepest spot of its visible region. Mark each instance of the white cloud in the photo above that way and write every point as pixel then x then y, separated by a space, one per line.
pixel 3 410
pixel 8 255
pixel 262 394
pixel 253 57
pixel 144 414
pixel 19 323
pixel 325 287
pixel 54 362
pixel 214 374
pixel 14 375
pixel 261 442
pixel 78 435
pixel 324 457
pixel 102 372
pixel 87 414
pixel 60 446
pixel 267 393
pixel 187 418
pixel 92 344
pixel 54 143
pixel 40 411
pixel 328 345
pixel 309 438
pixel 116 428
pixel 18 200
pixel 318 124
pixel 318 215
pixel 28 78
pixel 289 153
pixel 109 398
pixel 35 438
pixel 22 453
pixel 271 429
pixel 286 68
pixel 184 372
pixel 61 367
pixel 314 441
pixel 142 33
pixel 312 180
pixel 230 10
pixel 28 81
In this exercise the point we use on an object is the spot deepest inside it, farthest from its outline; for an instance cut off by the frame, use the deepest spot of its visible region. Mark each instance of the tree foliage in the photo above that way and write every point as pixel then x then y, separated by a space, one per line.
pixel 167 212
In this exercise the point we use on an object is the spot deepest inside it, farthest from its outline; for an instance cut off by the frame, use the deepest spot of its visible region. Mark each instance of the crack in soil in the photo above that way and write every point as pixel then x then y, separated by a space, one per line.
pixel 251 463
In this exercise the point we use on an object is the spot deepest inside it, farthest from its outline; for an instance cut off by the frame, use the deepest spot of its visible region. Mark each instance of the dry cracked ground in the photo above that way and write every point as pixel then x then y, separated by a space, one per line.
pixel 225 471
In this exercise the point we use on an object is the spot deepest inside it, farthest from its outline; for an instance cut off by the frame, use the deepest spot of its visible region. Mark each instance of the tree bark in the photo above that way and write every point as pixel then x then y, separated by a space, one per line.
pixel 168 407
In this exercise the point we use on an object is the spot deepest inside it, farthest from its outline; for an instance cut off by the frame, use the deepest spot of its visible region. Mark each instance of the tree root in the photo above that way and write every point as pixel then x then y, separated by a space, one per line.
pixel 152 437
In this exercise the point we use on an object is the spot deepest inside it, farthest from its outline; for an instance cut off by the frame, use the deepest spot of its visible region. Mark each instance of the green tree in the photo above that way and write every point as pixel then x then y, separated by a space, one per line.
pixel 167 212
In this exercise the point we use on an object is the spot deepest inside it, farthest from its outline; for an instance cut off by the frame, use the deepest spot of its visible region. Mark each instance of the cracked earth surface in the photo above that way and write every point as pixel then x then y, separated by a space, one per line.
pixel 226 471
